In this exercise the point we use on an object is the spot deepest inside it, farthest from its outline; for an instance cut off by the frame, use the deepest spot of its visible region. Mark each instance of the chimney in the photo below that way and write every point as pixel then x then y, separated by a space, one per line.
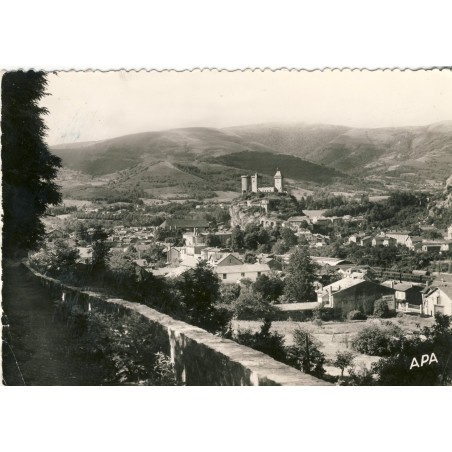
pixel 392 284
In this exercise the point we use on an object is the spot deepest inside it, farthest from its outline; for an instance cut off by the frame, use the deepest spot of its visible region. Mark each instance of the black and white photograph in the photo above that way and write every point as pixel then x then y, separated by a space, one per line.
pixel 227 228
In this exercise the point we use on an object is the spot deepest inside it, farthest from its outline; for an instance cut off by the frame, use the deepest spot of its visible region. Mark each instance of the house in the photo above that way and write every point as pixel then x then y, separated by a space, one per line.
pixel 234 273
pixel 437 300
pixel 435 246
pixel 55 234
pixel 212 253
pixel 228 260
pixel 399 236
pixel 186 224
pixel 413 242
pixel 356 238
pixel 173 254
pixel 297 222
pixel 365 241
pixel 406 293
pixel 349 294
pixel 431 247
pixel 389 241
pixel 377 241
pixel 449 232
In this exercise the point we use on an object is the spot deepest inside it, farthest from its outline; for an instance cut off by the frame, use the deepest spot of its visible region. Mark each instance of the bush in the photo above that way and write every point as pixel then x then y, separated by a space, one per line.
pixel 377 341
pixel 127 348
pixel 381 309
pixel 270 343
pixel 343 361
pixel 356 315
pixel 305 354
pixel 321 313
pixel 251 306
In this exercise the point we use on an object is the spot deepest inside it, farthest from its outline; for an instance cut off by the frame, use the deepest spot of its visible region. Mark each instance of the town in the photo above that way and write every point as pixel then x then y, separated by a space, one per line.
pixel 266 253
pixel 357 263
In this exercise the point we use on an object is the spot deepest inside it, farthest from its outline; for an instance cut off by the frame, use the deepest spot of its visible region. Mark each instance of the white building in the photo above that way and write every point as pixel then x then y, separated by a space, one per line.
pixel 235 273
pixel 437 300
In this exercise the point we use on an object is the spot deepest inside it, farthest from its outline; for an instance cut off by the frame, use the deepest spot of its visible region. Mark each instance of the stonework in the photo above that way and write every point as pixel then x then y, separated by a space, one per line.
pixel 252 183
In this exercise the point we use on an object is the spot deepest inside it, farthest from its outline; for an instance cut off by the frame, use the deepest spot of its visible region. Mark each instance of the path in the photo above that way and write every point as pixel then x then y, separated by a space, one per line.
pixel 40 345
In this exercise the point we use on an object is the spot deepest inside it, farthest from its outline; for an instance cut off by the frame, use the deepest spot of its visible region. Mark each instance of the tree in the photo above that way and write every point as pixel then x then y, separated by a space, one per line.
pixel 305 355
pixel 269 287
pixel 343 361
pixel 299 283
pixel 198 291
pixel 289 237
pixel 213 240
pixel 252 306
pixel 250 258
pixel 280 247
pixel 81 231
pixel 101 251
pixel 237 241
pixel 28 168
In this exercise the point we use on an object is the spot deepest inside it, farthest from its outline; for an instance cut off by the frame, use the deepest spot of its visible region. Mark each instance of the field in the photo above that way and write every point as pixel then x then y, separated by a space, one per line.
pixel 335 336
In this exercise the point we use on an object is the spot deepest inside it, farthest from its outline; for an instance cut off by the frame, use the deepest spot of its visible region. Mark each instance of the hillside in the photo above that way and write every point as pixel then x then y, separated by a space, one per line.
pixel 292 167
pixel 196 162
pixel 425 151
pixel 109 156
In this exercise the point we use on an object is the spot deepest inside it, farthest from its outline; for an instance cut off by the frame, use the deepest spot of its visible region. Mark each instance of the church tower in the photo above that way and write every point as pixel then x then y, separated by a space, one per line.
pixel 279 181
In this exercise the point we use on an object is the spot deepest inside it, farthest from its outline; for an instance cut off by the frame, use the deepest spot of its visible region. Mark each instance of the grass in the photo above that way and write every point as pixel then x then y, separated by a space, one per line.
pixel 335 336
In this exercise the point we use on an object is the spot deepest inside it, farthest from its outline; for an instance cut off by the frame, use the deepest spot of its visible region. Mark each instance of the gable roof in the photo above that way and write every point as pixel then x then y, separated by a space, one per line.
pixel 226 256
pixel 185 223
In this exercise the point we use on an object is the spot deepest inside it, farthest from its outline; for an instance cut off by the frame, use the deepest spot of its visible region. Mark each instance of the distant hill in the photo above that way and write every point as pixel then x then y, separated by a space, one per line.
pixel 198 160
pixel 426 150
pixel 109 156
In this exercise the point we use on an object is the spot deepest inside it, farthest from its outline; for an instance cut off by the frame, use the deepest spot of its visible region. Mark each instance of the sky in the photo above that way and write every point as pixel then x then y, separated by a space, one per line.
pixel 91 106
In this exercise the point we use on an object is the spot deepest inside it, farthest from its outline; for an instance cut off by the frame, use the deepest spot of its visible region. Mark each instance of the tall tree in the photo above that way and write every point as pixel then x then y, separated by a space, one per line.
pixel 299 283
pixel 29 169
pixel 101 250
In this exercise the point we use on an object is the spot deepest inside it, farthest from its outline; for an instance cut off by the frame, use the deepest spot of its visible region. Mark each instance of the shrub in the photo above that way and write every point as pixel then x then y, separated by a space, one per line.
pixel 356 315
pixel 322 313
pixel 343 361
pixel 127 348
pixel 305 354
pixel 377 341
pixel 381 309
pixel 270 343
pixel 251 306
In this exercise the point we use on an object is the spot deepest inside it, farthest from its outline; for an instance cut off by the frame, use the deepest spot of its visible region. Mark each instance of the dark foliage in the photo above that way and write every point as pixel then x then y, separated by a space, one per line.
pixel 377 341
pixel 28 168
pixel 271 344
pixel 305 354
pixel 356 315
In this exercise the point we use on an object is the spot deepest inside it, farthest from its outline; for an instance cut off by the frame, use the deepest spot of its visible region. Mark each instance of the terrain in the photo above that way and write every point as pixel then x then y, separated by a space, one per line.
pixel 198 162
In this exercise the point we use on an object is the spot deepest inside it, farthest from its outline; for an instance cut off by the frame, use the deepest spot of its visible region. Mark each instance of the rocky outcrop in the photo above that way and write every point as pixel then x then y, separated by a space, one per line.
pixel 241 215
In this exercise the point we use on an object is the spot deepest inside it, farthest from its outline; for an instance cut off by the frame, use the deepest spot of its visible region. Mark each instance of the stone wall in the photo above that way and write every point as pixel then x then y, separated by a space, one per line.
pixel 200 358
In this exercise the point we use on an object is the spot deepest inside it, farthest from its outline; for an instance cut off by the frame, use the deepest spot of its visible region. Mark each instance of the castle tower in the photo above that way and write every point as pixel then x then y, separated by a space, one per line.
pixel 279 181
pixel 254 183
pixel 246 184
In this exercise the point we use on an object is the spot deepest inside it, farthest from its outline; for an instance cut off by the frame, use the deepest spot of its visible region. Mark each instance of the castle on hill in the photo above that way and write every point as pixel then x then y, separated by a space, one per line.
pixel 251 184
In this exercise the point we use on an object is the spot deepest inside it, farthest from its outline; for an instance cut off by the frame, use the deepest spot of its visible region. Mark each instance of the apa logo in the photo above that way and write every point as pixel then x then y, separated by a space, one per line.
pixel 424 360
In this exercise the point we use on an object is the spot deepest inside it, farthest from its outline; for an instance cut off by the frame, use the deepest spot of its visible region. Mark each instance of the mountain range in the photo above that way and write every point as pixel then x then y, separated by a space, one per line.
pixel 208 158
